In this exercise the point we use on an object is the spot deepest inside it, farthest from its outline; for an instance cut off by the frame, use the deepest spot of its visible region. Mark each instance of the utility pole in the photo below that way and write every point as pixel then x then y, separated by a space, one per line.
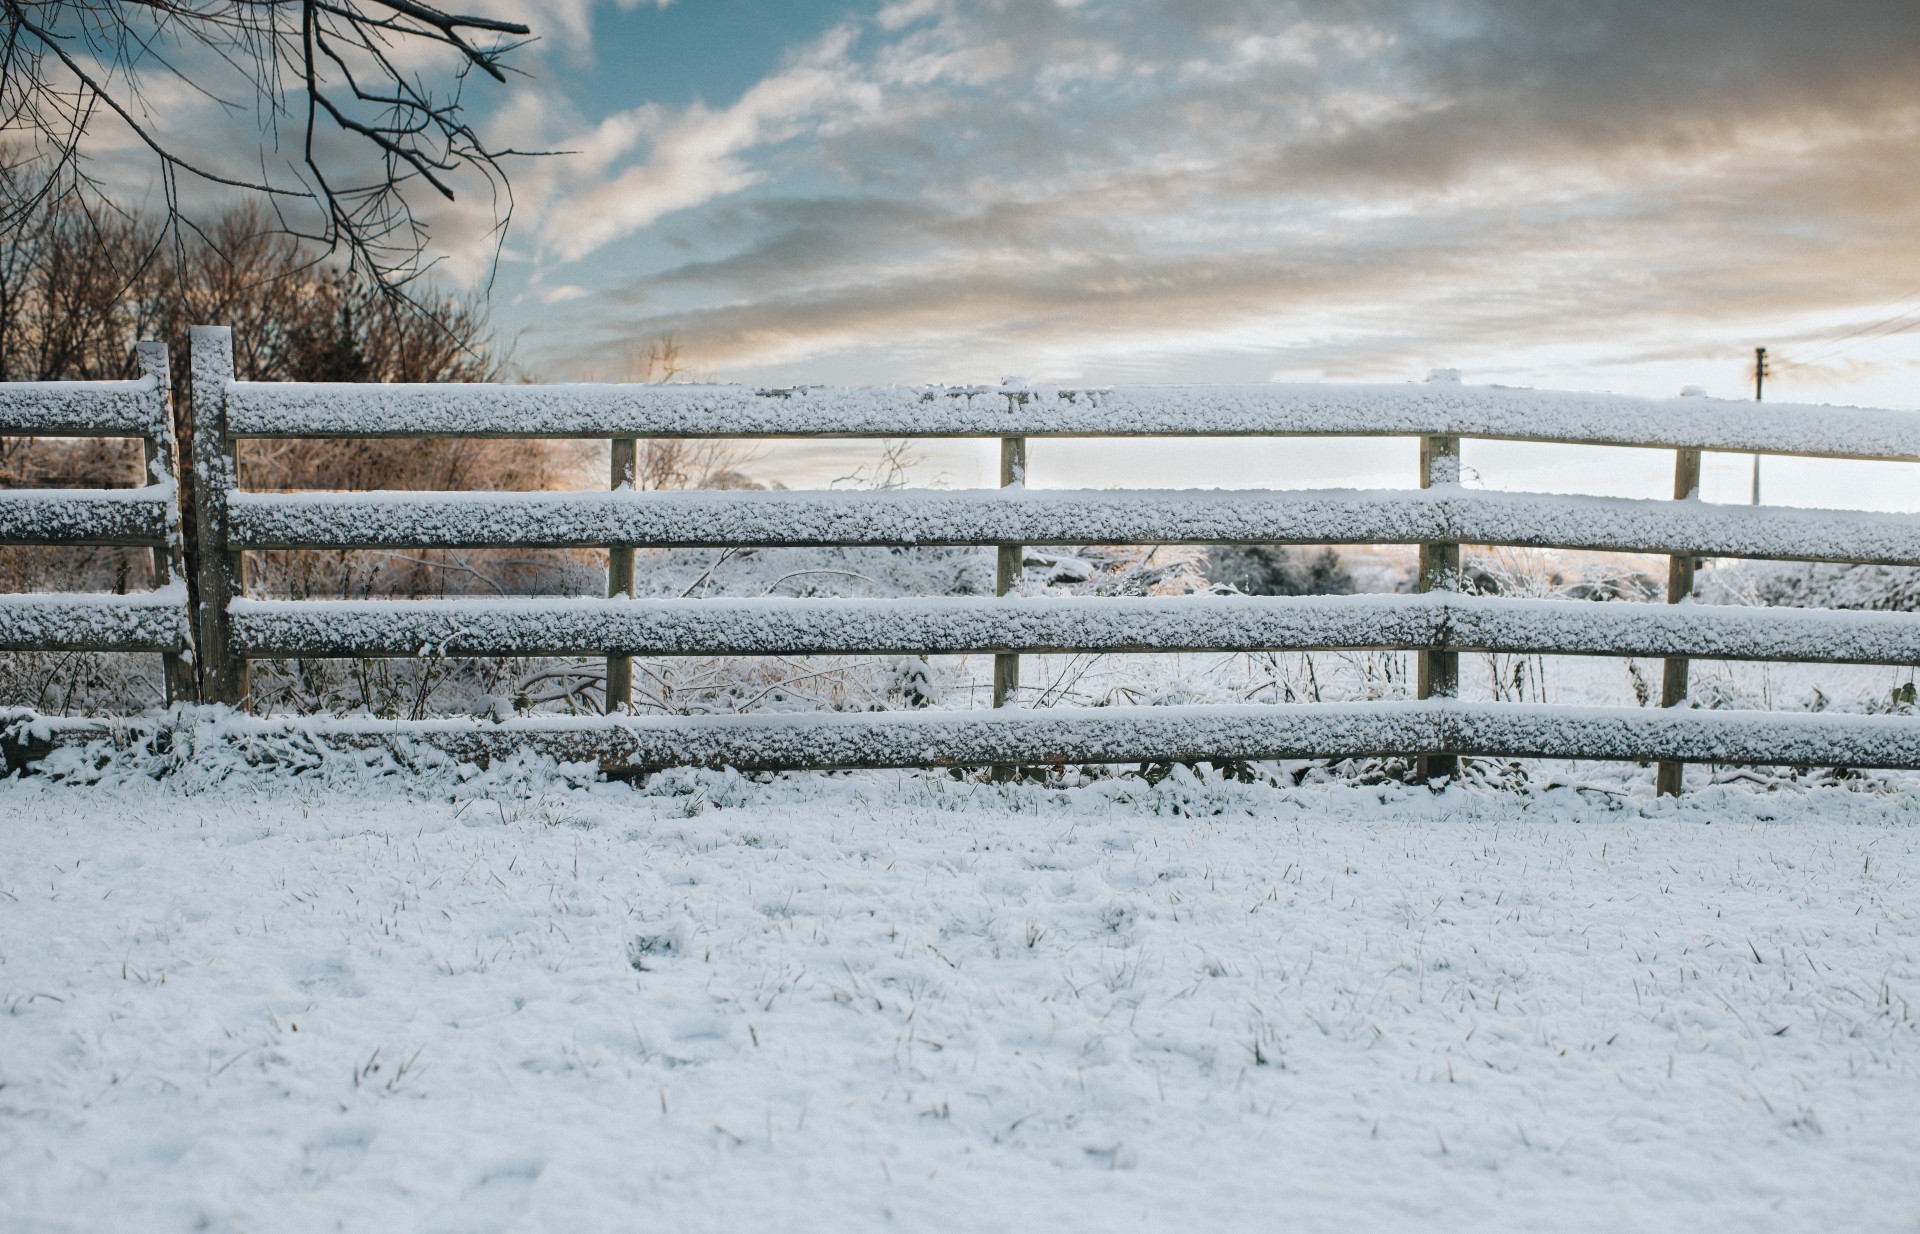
pixel 1759 390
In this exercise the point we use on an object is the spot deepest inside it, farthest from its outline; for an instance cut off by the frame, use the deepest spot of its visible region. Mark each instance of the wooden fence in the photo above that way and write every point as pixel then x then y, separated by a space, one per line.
pixel 1438 516
pixel 146 517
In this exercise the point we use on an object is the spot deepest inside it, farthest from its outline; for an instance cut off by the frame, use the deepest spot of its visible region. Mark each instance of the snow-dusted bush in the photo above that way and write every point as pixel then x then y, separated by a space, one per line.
pixel 1815 585
pixel 1276 570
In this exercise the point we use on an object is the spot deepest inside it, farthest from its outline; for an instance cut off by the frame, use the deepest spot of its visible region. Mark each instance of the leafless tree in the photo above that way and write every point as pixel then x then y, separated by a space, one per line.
pixel 658 362
pixel 76 293
pixel 350 130
pixel 679 462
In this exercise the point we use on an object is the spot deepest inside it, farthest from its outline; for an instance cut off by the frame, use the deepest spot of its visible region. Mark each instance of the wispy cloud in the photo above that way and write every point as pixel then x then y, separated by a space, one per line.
pixel 1312 187
pixel 696 155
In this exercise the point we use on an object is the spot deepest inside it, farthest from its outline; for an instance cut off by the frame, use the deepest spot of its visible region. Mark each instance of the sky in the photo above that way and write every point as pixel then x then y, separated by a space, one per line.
pixel 1582 194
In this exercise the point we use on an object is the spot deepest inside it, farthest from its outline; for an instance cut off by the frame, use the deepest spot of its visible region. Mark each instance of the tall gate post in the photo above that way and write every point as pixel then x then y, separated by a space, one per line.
pixel 619 684
pixel 1439 671
pixel 223 674
pixel 1007 572
pixel 1008 568
pixel 1673 675
pixel 163 467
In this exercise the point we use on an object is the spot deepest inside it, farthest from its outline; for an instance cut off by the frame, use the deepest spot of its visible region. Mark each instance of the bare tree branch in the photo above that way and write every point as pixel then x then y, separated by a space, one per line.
pixel 374 131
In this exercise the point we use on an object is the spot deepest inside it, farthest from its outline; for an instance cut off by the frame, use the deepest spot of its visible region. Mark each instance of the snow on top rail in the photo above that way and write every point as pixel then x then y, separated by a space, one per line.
pixel 130 516
pixel 300 409
pixel 78 408
pixel 770 626
pixel 1057 516
pixel 88 621
pixel 1051 736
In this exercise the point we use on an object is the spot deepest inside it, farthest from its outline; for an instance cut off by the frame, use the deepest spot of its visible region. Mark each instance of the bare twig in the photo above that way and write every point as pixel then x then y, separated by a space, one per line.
pixel 373 128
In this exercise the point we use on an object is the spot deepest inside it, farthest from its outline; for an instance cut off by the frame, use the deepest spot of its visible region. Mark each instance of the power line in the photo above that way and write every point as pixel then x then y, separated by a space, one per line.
pixel 1886 327
pixel 1867 334
pixel 1892 329
pixel 1896 303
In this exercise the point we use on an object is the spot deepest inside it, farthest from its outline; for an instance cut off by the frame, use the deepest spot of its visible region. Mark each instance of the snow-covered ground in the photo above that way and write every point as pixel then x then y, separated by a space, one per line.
pixel 903 1000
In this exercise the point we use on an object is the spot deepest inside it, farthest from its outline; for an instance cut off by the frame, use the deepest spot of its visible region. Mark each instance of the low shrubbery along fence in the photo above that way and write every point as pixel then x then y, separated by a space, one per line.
pixel 1439 516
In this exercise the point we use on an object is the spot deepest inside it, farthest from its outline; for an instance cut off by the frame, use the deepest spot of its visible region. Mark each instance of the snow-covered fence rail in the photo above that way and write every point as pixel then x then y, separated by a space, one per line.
pixel 1432 729
pixel 1057 516
pixel 1066 625
pixel 144 517
pixel 1434 409
pixel 1438 516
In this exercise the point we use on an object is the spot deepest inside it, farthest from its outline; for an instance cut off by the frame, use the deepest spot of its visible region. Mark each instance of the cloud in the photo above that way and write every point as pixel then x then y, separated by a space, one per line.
pixel 1152 185
pixel 693 156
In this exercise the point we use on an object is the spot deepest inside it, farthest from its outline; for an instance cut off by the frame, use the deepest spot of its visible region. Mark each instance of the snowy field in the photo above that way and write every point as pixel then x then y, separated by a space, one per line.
pixel 905 1001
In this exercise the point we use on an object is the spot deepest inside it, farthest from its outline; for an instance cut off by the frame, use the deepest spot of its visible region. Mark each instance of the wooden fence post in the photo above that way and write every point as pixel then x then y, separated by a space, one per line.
pixel 1009 568
pixel 223 674
pixel 619 685
pixel 1673 675
pixel 1439 671
pixel 163 467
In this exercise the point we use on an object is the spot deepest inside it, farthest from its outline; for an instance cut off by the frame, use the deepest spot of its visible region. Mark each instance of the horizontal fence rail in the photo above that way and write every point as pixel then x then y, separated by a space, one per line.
pixel 1443 409
pixel 1057 516
pixel 144 621
pixel 229 628
pixel 1051 737
pixel 140 517
pixel 541 627
pixel 81 408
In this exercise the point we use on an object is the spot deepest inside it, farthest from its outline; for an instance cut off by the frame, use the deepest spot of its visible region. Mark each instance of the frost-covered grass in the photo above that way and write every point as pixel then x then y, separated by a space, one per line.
pixel 521 1002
